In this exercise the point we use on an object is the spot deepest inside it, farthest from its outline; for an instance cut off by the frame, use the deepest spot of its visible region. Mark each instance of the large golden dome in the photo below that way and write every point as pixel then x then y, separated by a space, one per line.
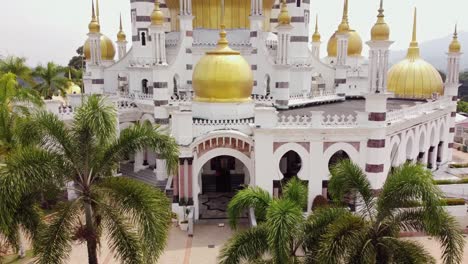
pixel 354 44
pixel 354 40
pixel 413 77
pixel 222 75
pixel 107 49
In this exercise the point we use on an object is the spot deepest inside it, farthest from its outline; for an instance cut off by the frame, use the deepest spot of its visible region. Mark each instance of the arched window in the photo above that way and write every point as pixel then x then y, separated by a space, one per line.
pixel 290 164
pixel 143 38
pixel 175 80
pixel 337 157
pixel 298 3
pixel 267 85
pixel 144 86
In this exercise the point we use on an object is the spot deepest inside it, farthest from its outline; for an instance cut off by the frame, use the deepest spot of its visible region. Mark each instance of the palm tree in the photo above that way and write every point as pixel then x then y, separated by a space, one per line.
pixel 15 106
pixel 134 216
pixel 17 66
pixel 279 234
pixel 52 80
pixel 408 201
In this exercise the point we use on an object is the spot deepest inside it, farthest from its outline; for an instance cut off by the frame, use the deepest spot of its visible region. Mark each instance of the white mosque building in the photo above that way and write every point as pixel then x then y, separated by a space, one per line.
pixel 243 90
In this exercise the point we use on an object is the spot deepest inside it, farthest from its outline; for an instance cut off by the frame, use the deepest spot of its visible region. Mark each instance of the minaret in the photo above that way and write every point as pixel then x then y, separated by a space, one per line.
pixel 316 40
pixel 97 12
pixel 284 35
pixel 342 38
pixel 94 36
pixel 452 83
pixel 121 41
pixel 378 54
pixel 158 35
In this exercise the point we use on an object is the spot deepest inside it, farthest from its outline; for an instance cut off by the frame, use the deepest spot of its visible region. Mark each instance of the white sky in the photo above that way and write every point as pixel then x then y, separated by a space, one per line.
pixel 51 30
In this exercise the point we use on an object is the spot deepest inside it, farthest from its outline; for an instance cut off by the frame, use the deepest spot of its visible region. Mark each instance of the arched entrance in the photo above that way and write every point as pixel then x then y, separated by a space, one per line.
pixel 219 180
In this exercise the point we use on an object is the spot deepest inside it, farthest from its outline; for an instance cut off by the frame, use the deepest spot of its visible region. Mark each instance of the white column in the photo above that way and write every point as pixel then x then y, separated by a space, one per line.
pixel 161 172
pixel 316 49
pixel 122 48
pixel 138 165
pixel 342 49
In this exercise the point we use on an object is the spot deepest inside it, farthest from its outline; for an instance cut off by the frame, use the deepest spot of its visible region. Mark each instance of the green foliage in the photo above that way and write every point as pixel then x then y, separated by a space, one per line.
pixel 462 106
pixel 18 67
pixel 52 80
pixel 459 165
pixel 454 201
pixel 444 182
pixel 87 152
pixel 77 62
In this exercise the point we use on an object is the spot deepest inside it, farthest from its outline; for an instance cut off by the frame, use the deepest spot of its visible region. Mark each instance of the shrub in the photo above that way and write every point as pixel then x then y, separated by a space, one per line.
pixel 446 182
pixel 319 201
pixel 454 201
pixel 459 165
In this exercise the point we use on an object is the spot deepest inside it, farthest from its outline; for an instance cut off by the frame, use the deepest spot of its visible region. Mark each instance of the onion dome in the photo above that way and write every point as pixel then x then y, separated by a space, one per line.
pixel 222 75
pixel 71 87
pixel 455 46
pixel 354 40
pixel 284 18
pixel 121 37
pixel 413 77
pixel 107 49
pixel 316 36
pixel 94 26
pixel 380 31
pixel 157 17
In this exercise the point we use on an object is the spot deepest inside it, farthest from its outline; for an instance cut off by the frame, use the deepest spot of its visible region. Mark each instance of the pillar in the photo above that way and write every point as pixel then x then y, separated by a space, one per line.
pixel 160 171
pixel 181 181
pixel 138 165
pixel 190 181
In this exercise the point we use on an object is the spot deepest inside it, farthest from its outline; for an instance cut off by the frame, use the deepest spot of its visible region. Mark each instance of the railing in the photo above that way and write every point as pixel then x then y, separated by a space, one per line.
pixel 172 43
pixel 66 110
pixel 212 44
pixel 139 96
pixel 265 100
pixel 201 127
pixel 178 99
pixel 125 104
pixel 318 120
pixel 417 110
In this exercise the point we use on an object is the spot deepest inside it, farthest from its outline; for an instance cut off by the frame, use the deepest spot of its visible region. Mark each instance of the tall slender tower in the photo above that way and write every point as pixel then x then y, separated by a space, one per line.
pixel 158 35
pixel 342 38
pixel 452 84
pixel 284 35
pixel 378 54
pixel 121 41
pixel 94 37
pixel 316 43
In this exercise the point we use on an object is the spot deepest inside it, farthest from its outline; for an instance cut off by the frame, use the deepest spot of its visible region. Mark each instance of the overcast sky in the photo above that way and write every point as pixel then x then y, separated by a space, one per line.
pixel 51 30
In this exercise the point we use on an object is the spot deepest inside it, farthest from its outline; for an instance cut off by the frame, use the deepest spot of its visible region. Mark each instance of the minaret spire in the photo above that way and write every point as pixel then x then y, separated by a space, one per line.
pixel 93 26
pixel 97 11
pixel 344 26
pixel 316 36
pixel 120 27
pixel 413 50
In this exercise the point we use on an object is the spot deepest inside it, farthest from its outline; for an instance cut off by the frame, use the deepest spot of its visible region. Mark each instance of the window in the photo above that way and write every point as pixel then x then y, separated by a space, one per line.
pixel 143 38
pixel 298 3
pixel 144 86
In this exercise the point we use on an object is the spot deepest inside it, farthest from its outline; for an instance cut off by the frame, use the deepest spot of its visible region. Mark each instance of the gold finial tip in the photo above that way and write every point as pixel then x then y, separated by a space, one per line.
pixel 455 46
pixel 157 17
pixel 380 31
pixel 94 26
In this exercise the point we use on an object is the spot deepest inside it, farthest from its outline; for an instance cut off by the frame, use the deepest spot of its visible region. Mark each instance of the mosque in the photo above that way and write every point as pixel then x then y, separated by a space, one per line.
pixel 241 86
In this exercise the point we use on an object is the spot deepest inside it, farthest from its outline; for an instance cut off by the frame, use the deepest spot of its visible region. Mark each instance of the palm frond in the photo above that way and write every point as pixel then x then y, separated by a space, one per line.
pixel 123 241
pixel 284 219
pixel 250 197
pixel 248 245
pixel 296 191
pixel 147 208
pixel 407 252
pixel 54 241
pixel 349 179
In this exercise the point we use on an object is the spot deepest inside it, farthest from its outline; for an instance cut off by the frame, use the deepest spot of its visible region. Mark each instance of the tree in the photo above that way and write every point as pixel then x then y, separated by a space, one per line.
pixel 408 201
pixel 77 62
pixel 462 106
pixel 17 66
pixel 15 104
pixel 52 80
pixel 280 229
pixel 86 153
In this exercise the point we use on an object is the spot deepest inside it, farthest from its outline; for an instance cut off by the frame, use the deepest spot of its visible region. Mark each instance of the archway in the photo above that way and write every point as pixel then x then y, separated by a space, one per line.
pixel 431 152
pixel 290 164
pixel 394 156
pixel 422 147
pixel 409 148
pixel 144 86
pixel 175 88
pixel 340 155
pixel 441 145
pixel 219 179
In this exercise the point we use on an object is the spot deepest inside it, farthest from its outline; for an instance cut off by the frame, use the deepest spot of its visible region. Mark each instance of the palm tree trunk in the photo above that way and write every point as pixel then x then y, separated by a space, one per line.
pixel 91 238
pixel 21 250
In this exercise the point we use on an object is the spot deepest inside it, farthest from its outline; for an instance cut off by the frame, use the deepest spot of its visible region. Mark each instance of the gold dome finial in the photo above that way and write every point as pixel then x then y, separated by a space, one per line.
pixel 94 26
pixel 97 11
pixel 344 25
pixel 316 36
pixel 121 34
pixel 380 31
pixel 284 18
pixel 413 50
pixel 455 46
pixel 157 17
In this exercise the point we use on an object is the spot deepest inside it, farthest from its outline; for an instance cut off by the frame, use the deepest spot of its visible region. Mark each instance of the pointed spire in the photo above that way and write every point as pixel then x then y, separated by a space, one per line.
pixel 316 36
pixel 380 31
pixel 413 50
pixel 97 11
pixel 344 26
pixel 222 42
pixel 284 18
pixel 93 26
pixel 455 46
pixel 121 37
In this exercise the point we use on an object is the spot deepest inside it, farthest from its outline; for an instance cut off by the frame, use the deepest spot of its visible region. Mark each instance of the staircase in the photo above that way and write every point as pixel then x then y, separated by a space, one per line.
pixel 147 176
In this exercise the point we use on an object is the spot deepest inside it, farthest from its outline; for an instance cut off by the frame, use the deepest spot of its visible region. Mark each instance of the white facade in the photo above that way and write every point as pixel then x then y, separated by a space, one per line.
pixel 152 81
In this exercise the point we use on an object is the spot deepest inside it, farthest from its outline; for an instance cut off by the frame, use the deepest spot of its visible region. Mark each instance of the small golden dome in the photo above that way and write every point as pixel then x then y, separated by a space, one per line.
pixel 121 37
pixel 316 36
pixel 455 46
pixel 72 88
pixel 284 18
pixel 107 49
pixel 94 26
pixel 157 17
pixel 414 77
pixel 354 44
pixel 380 31
pixel 222 75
